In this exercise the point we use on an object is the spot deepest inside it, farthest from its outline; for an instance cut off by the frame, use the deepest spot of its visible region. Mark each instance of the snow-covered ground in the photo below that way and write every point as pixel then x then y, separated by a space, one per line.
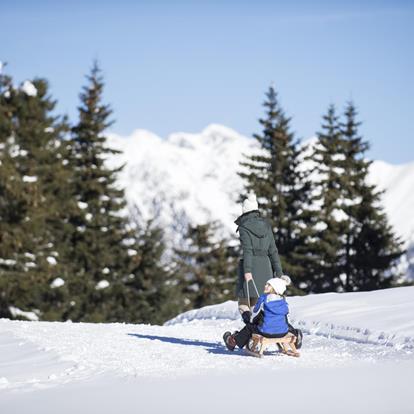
pixel 358 356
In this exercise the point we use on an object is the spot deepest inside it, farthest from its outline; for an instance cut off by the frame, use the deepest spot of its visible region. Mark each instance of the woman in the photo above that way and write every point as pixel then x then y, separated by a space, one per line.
pixel 260 259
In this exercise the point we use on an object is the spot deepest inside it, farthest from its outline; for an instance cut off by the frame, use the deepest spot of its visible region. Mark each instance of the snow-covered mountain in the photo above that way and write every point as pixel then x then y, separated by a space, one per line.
pixel 192 178
pixel 185 178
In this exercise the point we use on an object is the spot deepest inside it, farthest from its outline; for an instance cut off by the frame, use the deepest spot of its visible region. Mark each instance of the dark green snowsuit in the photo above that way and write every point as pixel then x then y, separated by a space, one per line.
pixel 260 255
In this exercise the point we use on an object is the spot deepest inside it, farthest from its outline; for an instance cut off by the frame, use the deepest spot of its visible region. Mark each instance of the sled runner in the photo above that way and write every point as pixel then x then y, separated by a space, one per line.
pixel 258 344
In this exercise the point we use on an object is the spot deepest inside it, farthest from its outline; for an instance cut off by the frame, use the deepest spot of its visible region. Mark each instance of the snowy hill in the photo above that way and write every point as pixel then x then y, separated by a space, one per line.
pixel 378 317
pixel 192 178
pixel 357 357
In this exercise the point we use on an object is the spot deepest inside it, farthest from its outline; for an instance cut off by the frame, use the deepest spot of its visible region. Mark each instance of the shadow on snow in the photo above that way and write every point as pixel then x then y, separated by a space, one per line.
pixel 211 347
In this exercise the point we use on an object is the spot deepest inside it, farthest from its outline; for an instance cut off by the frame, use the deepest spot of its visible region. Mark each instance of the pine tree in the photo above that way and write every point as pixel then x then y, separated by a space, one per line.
pixel 355 245
pixel 282 188
pixel 151 289
pixel 329 181
pixel 100 239
pixel 32 181
pixel 13 206
pixel 206 269
pixel 371 249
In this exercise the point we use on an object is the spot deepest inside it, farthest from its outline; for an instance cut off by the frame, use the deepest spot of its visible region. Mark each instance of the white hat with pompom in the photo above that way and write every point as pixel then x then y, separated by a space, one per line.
pixel 278 285
pixel 250 204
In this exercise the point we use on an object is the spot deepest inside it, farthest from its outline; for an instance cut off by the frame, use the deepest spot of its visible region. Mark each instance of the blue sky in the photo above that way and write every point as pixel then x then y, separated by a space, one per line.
pixel 181 65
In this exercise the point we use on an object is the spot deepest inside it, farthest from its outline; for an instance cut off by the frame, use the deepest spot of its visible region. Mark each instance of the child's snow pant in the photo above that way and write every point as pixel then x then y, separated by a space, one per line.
pixel 242 337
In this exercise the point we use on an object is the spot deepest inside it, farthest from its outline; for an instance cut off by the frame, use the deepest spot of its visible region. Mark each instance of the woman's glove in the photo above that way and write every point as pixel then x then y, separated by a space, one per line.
pixel 248 277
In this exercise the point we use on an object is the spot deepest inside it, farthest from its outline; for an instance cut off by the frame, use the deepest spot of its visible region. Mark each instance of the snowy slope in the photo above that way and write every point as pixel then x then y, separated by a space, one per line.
pixel 183 367
pixel 398 199
pixel 193 178
pixel 378 317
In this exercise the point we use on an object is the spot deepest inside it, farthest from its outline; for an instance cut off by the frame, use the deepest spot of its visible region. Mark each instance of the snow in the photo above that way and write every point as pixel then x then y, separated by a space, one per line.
pixel 192 178
pixel 51 260
pixel 321 226
pixel 29 178
pixel 28 88
pixel 58 282
pixel 339 215
pixel 381 317
pixel 397 181
pixel 186 178
pixel 7 262
pixel 183 367
pixel 14 151
pixel 82 205
pixel 102 284
pixel 338 157
pixel 16 312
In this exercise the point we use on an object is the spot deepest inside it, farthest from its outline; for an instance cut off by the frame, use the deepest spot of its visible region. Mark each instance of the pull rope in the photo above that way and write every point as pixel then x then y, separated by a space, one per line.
pixel 255 287
pixel 248 292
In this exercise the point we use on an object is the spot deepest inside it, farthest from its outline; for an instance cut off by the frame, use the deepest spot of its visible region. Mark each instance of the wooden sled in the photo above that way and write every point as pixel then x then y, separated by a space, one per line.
pixel 258 344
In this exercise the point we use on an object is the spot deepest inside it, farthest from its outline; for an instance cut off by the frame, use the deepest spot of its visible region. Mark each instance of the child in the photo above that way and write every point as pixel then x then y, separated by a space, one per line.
pixel 269 317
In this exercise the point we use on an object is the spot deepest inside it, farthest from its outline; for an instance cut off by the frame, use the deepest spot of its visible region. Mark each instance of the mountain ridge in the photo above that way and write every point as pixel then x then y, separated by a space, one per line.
pixel 192 178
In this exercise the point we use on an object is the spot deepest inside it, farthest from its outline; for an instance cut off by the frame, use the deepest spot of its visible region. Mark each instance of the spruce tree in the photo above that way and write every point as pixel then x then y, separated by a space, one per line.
pixel 13 206
pixel 33 185
pixel 282 188
pixel 371 248
pixel 328 160
pixel 206 269
pixel 101 230
pixel 153 294
pixel 355 246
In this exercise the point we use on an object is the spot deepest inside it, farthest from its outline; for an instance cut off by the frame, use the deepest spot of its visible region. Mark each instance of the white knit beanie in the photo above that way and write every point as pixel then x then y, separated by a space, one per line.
pixel 278 285
pixel 250 204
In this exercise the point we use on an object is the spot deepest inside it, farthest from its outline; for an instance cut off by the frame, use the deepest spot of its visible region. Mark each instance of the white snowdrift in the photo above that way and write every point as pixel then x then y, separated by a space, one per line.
pixel 384 317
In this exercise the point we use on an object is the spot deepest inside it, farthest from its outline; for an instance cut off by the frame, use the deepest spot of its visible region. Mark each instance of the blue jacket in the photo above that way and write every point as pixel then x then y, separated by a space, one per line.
pixel 275 310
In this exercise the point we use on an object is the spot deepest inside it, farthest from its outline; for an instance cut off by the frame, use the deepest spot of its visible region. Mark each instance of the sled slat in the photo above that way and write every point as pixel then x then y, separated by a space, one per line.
pixel 261 343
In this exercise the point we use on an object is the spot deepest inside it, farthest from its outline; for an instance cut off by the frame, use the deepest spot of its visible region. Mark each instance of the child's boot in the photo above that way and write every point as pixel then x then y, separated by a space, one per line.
pixel 229 340
pixel 299 336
